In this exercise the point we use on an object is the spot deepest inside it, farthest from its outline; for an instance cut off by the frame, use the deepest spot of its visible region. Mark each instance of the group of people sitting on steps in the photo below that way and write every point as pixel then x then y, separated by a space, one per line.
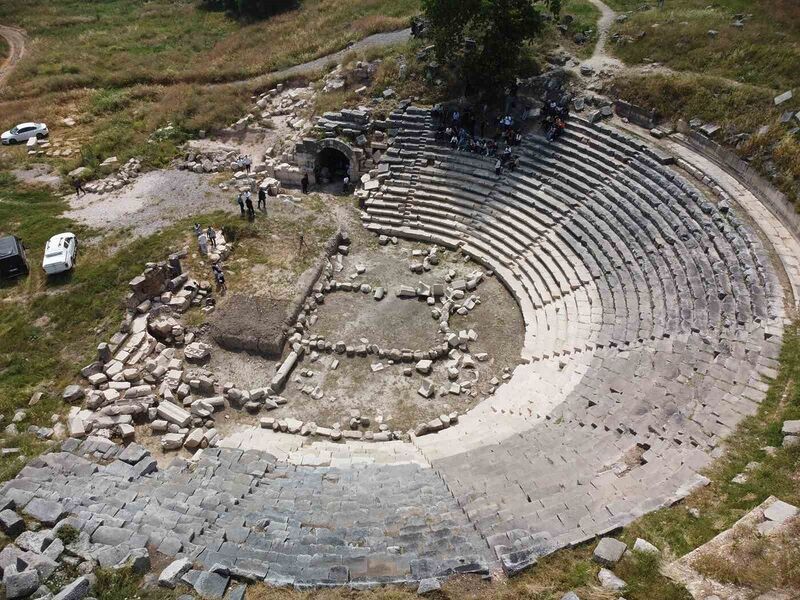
pixel 466 133
pixel 554 119
pixel 459 129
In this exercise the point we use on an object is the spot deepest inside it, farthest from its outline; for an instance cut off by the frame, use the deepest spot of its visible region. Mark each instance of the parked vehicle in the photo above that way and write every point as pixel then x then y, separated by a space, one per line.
pixel 12 258
pixel 60 253
pixel 23 132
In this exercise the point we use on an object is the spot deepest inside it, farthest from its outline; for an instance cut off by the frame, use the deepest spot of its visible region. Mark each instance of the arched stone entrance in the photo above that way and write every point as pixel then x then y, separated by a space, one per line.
pixel 331 165
pixel 328 160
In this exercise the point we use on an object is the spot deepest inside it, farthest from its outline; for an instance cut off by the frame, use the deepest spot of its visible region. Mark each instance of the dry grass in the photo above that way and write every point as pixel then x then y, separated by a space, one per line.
pixel 123 43
pixel 755 562
pixel 736 108
pixel 3 48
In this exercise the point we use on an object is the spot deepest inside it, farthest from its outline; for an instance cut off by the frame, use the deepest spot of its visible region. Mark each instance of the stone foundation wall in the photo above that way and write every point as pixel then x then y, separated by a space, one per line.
pixel 636 114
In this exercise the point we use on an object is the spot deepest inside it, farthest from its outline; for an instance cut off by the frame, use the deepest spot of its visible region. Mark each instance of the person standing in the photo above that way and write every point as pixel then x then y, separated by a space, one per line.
pixel 240 202
pixel 197 230
pixel 78 187
pixel 202 242
pixel 248 162
pixel 219 276
pixel 346 184
pixel 262 199
pixel 212 236
pixel 251 213
pixel 304 183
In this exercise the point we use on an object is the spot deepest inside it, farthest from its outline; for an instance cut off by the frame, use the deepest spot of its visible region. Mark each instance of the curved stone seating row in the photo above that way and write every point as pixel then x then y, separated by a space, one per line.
pixel 361 524
pixel 653 310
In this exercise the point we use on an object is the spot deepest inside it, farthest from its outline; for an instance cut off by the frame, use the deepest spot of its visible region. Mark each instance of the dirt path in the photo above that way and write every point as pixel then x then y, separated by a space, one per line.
pixel 604 64
pixel 16 41
pixel 377 40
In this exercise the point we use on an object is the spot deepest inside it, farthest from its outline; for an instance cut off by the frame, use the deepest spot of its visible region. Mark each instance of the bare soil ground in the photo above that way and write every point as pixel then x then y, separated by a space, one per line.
pixel 38 174
pixel 153 201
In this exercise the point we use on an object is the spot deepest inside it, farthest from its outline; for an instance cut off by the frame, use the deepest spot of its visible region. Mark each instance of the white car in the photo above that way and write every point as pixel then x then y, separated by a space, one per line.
pixel 23 132
pixel 60 253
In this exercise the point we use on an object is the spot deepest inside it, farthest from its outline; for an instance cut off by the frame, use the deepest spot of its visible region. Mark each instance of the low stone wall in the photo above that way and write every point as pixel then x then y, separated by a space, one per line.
pixel 261 326
pixel 775 200
pixel 636 114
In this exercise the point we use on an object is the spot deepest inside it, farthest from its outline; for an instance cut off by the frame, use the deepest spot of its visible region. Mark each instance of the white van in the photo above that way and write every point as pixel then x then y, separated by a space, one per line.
pixel 60 253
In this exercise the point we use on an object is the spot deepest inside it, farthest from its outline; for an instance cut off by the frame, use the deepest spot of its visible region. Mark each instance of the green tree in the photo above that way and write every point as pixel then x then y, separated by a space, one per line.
pixel 485 38
pixel 251 8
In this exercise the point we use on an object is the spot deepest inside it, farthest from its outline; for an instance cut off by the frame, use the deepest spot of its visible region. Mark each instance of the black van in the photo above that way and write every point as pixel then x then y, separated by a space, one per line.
pixel 12 258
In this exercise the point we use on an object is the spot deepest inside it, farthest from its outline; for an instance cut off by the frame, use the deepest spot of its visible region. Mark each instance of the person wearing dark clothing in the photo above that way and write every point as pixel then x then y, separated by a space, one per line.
pixel 304 183
pixel 219 277
pixel 251 213
pixel 498 167
pixel 262 198
pixel 78 187
pixel 212 236
pixel 240 202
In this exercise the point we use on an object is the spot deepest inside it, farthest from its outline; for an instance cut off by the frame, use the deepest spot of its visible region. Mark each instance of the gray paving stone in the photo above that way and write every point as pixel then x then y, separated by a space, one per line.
pixel 211 585
pixel 77 590
pixel 11 523
pixel 170 576
pixel 609 551
pixel 20 585
pixel 46 511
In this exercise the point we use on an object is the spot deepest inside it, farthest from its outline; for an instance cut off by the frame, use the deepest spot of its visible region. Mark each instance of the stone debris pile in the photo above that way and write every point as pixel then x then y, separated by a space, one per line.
pixel 209 161
pixel 125 175
pixel 148 372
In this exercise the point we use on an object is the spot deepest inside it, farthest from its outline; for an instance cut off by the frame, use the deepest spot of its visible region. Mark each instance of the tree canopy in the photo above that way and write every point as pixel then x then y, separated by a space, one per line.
pixel 486 38
pixel 251 8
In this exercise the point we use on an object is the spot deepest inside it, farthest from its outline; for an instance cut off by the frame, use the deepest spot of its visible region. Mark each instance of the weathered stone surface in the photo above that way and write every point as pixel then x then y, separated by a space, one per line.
pixel 428 586
pixel 11 523
pixel 610 581
pixel 641 545
pixel 20 585
pixel 48 512
pixel 77 590
pixel 609 551
pixel 170 576
pixel 211 585
pixel 197 353
pixel 172 413
pixel 780 511
pixel 72 393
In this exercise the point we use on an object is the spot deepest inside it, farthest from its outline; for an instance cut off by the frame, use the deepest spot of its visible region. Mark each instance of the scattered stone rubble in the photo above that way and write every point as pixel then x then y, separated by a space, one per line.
pixel 126 174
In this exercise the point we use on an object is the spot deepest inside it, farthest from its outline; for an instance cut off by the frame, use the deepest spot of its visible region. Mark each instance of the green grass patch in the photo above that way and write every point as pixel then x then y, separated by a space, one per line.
pixel 763 52
pixel 124 584
pixel 584 16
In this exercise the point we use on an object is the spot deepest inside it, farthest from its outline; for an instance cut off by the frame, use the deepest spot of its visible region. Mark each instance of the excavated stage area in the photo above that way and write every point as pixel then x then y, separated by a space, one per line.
pixel 647 318
pixel 390 367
